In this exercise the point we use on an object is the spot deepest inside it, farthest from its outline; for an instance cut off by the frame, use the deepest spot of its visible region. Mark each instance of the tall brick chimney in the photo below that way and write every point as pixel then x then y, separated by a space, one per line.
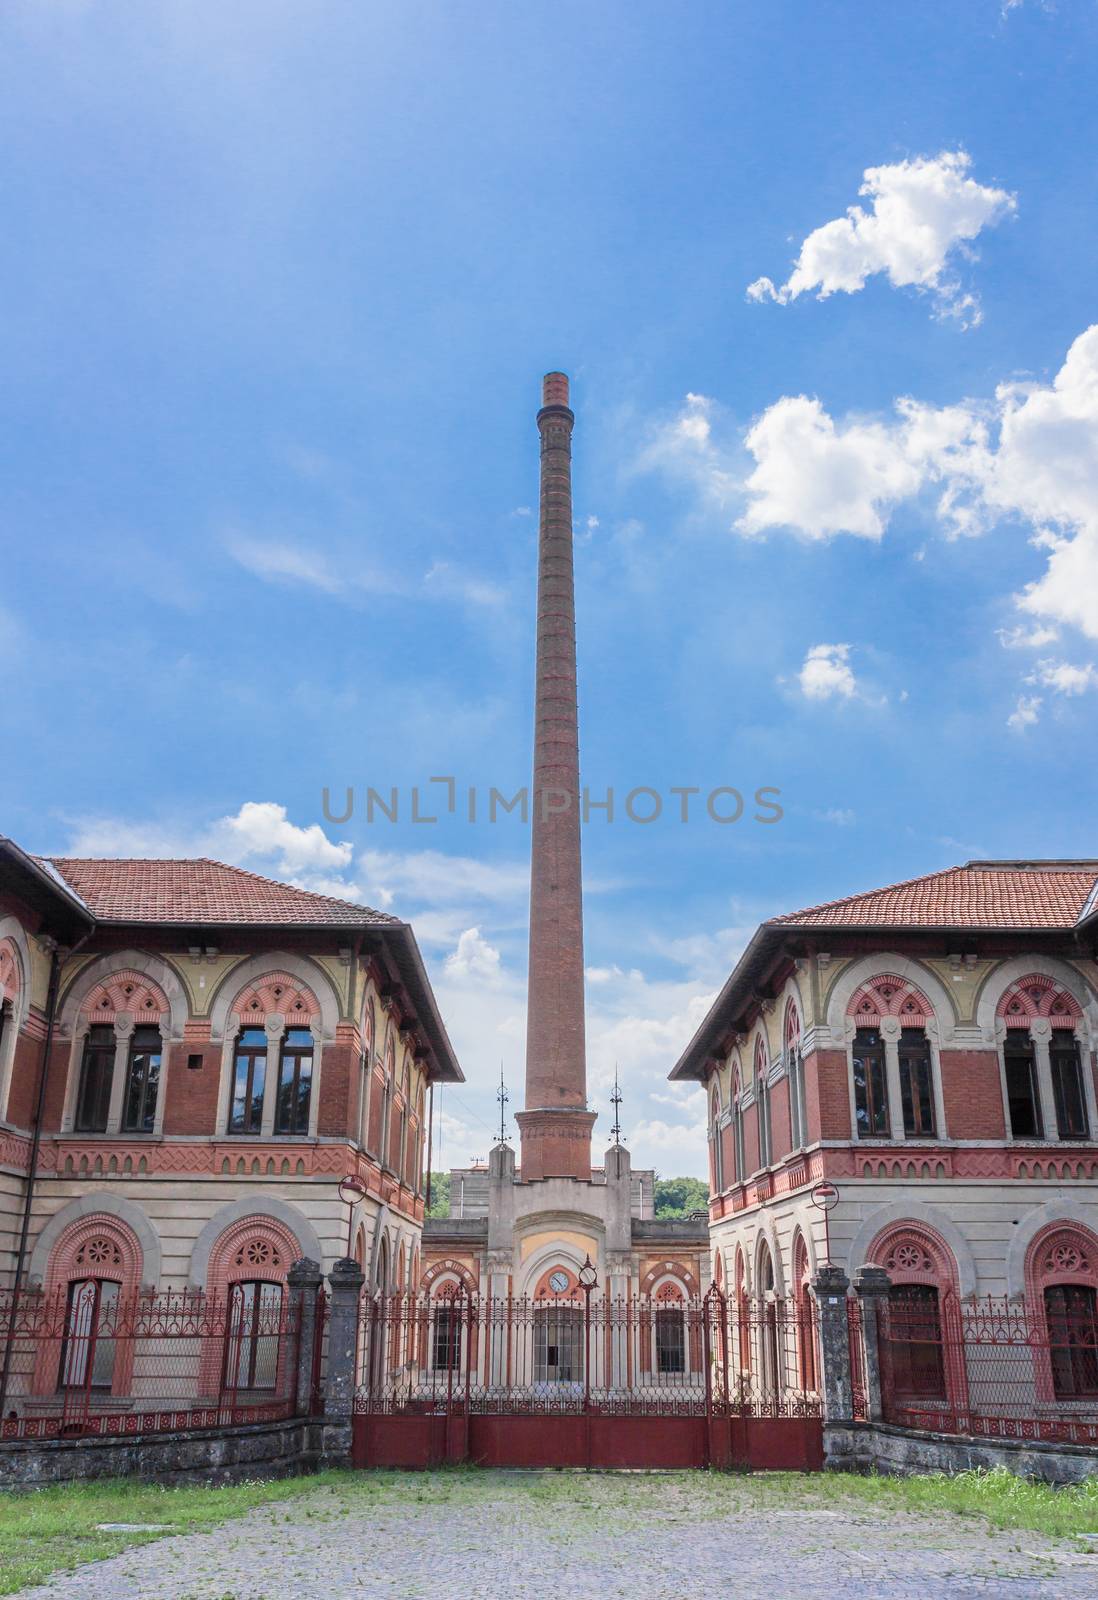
pixel 556 1125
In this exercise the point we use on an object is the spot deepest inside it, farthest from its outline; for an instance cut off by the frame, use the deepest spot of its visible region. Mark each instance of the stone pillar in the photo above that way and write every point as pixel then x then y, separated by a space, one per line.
pixel 303 1280
pixel 1041 1033
pixel 871 1285
pixel 345 1279
pixel 890 1033
pixel 829 1287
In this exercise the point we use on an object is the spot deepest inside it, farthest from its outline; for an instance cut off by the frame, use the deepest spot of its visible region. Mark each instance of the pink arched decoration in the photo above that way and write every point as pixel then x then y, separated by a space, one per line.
pixel 10 972
pixel 890 996
pixel 1021 1003
pixel 791 1032
pixel 255 1247
pixel 127 991
pixel 1064 1252
pixel 97 1246
pixel 276 994
pixel 915 1253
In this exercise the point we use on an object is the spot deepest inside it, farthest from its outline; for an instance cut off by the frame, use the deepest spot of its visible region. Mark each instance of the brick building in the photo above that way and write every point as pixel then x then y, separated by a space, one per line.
pixel 929 1050
pixel 192 1058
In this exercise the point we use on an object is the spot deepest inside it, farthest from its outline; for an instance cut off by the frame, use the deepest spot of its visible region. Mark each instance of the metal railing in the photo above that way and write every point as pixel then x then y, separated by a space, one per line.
pixel 88 1360
pixel 583 1353
pixel 992 1368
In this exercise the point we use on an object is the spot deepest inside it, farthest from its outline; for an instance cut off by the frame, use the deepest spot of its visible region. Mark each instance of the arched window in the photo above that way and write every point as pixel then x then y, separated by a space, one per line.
pixel 93 1098
pixel 142 1081
pixel 892 1063
pixel 1040 1022
pixel 794 1066
pixel 295 1081
pixel 916 1084
pixel 249 1081
pixel 120 1031
pixel 926 1365
pixel 1062 1280
pixel 737 1126
pixel 762 1102
pixel 252 1334
pixel 94 1268
pixel 716 1154
pixel 670 1331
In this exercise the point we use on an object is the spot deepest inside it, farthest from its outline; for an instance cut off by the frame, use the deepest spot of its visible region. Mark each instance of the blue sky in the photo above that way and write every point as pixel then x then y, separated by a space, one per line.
pixel 279 284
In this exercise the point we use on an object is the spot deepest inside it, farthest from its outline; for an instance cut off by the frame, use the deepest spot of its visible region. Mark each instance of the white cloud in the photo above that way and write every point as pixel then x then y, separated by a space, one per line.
pixel 820 477
pixel 449 582
pixel 826 673
pixel 286 564
pixel 838 816
pixel 474 957
pixel 261 828
pixel 1064 678
pixel 1023 638
pixel 923 211
pixel 1026 713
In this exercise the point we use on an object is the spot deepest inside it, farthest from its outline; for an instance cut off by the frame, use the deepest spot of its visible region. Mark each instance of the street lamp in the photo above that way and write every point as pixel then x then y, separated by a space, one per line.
pixel 351 1190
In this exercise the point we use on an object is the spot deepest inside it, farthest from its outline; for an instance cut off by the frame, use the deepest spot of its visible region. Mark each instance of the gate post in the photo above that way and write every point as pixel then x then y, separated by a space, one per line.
pixel 346 1279
pixel 303 1280
pixel 871 1285
pixel 830 1286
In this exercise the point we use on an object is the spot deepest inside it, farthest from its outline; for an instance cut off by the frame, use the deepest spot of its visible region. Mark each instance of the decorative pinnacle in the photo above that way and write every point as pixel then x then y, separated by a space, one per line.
pixel 504 1098
pixel 615 1101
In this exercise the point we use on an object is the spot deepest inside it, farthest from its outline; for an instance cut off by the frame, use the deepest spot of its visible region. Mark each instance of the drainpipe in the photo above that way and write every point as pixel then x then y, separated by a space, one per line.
pixel 56 958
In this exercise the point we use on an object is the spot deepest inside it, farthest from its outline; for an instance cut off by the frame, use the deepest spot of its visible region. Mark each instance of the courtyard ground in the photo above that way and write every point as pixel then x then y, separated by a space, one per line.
pixel 571 1536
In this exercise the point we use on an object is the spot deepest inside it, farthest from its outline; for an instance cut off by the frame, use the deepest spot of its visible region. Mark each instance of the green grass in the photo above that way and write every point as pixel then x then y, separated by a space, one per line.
pixel 1003 1499
pixel 55 1529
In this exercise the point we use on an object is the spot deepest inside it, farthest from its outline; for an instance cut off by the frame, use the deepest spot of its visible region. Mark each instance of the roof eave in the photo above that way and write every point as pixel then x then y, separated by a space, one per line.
pixel 41 890
pixel 691 1064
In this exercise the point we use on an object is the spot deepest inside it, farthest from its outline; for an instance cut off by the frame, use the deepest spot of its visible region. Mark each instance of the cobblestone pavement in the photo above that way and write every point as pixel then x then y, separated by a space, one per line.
pixel 565 1537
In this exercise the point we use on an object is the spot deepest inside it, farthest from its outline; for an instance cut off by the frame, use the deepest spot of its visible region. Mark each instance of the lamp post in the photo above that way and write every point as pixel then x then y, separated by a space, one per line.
pixel 588 1278
pixel 351 1190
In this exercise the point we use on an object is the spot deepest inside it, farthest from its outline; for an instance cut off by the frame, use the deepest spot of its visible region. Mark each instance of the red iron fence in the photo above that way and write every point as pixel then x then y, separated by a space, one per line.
pixel 91 1361
pixel 483 1369
pixel 991 1368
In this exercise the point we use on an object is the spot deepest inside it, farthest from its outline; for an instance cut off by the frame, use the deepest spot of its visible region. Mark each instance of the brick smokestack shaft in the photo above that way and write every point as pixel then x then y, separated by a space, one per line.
pixel 556 1125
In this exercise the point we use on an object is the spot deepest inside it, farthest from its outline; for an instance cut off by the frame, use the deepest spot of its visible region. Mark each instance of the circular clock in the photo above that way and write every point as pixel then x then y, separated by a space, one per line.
pixel 558 1281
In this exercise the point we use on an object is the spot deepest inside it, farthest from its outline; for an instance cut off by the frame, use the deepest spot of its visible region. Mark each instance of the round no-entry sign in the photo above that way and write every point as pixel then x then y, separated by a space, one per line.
pixel 825 1196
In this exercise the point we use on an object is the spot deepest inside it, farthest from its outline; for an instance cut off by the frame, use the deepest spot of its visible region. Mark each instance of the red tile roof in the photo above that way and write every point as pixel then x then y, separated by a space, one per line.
pixel 981 894
pixel 202 893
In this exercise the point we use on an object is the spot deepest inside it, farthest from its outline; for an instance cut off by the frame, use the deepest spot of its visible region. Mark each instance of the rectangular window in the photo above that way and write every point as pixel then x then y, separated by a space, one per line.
pixel 737 1139
pixel 1021 1082
pixel 142 1081
pixel 798 1120
pixel 870 1093
pixel 446 1339
pixel 87 1350
pixel 915 1343
pixel 916 1084
pixel 295 1079
pixel 762 1099
pixel 1067 1085
pixel 670 1340
pixel 558 1345
pixel 93 1100
pixel 249 1072
pixel 251 1350
pixel 1072 1318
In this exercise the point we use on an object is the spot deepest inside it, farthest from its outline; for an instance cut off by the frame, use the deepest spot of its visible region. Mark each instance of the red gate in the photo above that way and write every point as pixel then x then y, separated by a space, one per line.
pixel 584 1381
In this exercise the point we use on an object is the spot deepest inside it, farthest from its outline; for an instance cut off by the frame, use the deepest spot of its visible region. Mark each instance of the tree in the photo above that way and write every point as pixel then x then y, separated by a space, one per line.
pixel 677 1197
pixel 440 1195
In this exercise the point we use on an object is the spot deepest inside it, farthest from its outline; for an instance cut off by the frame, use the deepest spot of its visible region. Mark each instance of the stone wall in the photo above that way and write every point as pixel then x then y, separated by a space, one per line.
pixel 902 1452
pixel 224 1455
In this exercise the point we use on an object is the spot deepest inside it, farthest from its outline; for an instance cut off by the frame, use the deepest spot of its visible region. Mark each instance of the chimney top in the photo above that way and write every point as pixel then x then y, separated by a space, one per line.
pixel 554 389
